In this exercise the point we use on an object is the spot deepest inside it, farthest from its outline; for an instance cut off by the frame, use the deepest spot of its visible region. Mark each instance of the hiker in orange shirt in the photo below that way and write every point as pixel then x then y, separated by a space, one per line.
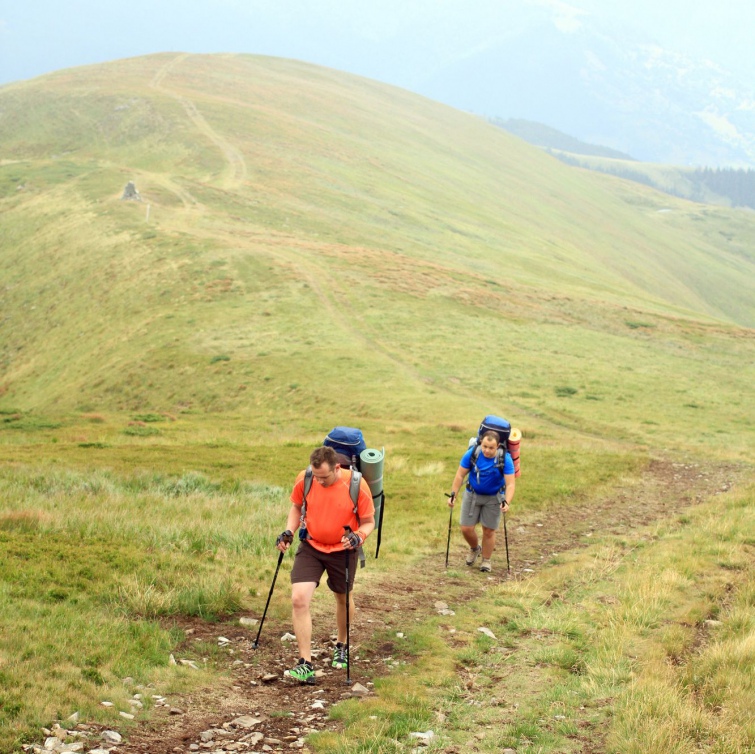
pixel 331 525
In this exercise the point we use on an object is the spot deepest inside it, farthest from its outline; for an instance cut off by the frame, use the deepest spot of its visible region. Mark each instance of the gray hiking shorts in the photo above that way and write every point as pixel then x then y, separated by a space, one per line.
pixel 482 509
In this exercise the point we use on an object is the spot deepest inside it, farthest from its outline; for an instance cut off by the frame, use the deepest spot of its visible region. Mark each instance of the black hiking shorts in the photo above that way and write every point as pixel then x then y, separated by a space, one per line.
pixel 310 564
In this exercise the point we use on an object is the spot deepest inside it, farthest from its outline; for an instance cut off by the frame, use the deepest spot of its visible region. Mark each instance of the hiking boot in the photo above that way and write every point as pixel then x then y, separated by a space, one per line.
pixel 302 671
pixel 340 656
pixel 473 555
pixel 485 566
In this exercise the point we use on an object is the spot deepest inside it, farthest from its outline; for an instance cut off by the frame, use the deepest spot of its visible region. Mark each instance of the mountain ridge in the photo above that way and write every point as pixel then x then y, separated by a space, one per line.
pixel 294 217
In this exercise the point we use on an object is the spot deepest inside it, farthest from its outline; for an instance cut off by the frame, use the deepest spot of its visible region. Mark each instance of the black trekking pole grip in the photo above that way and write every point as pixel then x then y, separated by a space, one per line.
pixel 270 594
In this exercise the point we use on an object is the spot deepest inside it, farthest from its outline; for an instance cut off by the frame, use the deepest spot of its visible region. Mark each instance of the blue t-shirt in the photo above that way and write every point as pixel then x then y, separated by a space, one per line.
pixel 490 478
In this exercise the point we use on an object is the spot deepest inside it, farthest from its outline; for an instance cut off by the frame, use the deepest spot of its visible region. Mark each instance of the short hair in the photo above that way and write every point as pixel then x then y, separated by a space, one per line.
pixel 490 434
pixel 321 455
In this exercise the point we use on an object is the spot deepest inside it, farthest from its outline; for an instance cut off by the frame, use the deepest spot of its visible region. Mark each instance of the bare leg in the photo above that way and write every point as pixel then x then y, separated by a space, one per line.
pixel 341 613
pixel 301 599
pixel 470 535
pixel 488 542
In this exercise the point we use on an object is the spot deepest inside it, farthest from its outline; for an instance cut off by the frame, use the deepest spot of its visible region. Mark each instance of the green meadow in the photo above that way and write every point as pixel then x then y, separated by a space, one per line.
pixel 311 249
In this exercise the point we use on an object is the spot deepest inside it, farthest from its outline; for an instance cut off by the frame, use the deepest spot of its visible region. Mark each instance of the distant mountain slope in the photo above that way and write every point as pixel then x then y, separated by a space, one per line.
pixel 551 138
pixel 730 187
pixel 607 86
pixel 305 234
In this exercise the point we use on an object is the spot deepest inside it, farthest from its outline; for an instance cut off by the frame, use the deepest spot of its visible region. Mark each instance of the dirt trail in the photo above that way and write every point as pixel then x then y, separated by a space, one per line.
pixel 235 172
pixel 252 714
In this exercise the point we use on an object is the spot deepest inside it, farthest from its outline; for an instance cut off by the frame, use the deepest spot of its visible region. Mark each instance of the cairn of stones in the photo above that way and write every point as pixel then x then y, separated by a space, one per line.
pixel 130 193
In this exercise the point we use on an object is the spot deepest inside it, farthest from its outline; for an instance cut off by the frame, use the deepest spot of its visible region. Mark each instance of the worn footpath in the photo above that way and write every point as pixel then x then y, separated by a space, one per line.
pixel 261 709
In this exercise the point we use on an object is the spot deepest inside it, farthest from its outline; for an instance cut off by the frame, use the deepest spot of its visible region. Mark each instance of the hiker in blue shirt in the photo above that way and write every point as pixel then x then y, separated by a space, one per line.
pixel 488 493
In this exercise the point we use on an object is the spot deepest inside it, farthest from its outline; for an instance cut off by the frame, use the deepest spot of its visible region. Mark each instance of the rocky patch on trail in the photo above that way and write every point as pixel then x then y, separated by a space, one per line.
pixel 261 709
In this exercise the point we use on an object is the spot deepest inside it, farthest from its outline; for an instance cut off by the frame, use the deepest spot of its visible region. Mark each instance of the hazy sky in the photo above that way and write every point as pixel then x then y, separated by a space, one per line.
pixel 384 39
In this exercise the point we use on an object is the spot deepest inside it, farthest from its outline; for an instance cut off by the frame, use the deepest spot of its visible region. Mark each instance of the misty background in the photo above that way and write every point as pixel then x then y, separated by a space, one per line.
pixel 668 82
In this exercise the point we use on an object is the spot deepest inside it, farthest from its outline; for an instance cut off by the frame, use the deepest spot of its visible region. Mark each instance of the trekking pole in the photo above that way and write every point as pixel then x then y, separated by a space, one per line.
pixel 506 539
pixel 450 519
pixel 347 553
pixel 380 524
pixel 272 586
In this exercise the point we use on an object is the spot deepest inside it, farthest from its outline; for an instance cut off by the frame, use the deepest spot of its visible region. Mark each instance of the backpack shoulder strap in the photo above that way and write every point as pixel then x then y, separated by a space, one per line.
pixel 473 464
pixel 308 476
pixel 356 479
pixel 500 462
pixel 473 458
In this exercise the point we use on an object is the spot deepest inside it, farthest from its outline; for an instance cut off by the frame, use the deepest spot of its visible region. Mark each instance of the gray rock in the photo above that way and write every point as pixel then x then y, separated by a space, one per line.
pixel 246 721
pixel 423 737
pixel 358 690
pixel 111 737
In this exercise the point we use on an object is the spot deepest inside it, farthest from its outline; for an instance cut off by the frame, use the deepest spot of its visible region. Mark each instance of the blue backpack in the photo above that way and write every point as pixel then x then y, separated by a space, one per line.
pixel 348 442
pixel 503 429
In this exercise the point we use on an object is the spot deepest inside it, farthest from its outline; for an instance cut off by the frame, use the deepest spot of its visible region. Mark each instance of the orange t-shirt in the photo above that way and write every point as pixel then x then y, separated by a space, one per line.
pixel 329 509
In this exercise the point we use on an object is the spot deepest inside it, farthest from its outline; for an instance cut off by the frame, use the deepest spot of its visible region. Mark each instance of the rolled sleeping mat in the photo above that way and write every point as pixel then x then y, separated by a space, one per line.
pixel 514 439
pixel 371 464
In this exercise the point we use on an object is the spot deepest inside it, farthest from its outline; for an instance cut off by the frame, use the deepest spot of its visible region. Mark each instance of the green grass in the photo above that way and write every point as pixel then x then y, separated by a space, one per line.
pixel 94 547
pixel 413 214
pixel 585 653
pixel 321 249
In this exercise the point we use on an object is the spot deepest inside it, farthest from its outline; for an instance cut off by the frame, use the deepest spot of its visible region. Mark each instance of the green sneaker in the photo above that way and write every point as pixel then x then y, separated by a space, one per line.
pixel 340 656
pixel 302 671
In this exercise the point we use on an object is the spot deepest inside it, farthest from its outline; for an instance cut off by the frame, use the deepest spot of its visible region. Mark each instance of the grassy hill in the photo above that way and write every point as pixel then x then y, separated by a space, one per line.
pixel 302 228
pixel 313 249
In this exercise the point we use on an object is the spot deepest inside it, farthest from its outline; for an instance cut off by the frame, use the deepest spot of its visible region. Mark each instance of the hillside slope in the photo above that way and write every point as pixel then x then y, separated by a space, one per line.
pixel 305 234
